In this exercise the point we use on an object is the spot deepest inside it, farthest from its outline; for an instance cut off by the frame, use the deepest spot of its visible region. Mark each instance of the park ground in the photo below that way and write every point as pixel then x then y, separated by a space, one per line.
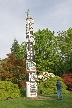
pixel 49 101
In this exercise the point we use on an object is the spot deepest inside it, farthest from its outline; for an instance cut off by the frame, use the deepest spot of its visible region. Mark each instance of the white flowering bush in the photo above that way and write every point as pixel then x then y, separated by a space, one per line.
pixel 49 86
pixel 44 76
pixel 47 83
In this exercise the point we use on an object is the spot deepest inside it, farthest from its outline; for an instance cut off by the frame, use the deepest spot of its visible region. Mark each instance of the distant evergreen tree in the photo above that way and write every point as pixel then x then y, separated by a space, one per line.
pixel 15 50
pixel 19 51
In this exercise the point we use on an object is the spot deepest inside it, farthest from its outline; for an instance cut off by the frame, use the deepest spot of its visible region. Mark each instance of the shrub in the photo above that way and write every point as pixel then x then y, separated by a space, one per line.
pixel 12 69
pixel 8 90
pixel 23 92
pixel 68 80
pixel 49 86
pixel 44 76
pixel 22 84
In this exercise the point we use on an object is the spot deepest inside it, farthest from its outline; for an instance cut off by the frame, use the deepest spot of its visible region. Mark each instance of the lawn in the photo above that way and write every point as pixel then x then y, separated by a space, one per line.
pixel 48 102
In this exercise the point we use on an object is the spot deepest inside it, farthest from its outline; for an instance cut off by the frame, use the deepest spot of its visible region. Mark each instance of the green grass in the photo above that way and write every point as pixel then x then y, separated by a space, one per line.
pixel 50 102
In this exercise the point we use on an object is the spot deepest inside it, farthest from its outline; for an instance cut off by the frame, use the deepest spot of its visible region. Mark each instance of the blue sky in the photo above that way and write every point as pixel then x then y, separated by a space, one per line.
pixel 53 14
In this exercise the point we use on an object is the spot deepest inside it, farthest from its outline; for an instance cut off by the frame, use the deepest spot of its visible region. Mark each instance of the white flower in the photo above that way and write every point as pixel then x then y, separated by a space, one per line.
pixel 45 75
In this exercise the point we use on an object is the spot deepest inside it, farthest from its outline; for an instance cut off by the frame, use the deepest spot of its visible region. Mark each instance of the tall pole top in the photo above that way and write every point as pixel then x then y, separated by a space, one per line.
pixel 27 12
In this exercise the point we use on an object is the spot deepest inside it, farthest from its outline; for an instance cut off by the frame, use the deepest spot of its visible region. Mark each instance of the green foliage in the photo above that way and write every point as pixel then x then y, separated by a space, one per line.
pixel 19 51
pixel 15 50
pixel 49 86
pixel 53 53
pixel 64 41
pixel 46 58
pixel 8 90
pixel 23 51
pixel 23 92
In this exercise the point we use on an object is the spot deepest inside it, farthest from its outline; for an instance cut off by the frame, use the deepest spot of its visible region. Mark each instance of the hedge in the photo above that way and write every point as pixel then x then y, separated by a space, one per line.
pixel 8 90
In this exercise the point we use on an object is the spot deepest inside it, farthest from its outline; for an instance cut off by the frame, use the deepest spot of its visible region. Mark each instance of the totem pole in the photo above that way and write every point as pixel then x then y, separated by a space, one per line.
pixel 31 85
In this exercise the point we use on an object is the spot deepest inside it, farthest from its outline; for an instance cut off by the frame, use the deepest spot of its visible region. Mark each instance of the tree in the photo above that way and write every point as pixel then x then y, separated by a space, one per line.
pixel 15 50
pixel 19 51
pixel 47 57
pixel 13 69
pixel 64 41
pixel 23 51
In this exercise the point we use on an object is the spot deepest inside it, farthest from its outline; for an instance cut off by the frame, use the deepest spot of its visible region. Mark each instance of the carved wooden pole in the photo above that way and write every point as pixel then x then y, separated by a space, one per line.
pixel 31 85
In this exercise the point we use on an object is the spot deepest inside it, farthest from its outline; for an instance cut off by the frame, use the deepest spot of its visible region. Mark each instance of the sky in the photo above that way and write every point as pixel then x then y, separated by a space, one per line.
pixel 53 14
